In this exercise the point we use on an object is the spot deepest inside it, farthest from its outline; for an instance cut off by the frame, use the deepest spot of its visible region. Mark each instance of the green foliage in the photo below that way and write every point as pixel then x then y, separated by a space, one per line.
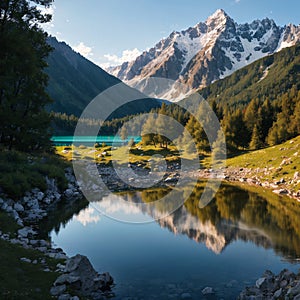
pixel 259 104
pixel 24 122
pixel 148 133
pixel 158 130
pixel 7 223
pixel 236 132
pixel 275 163
pixel 251 82
pixel 219 147
pixel 276 216
pixel 21 172
pixel 21 280
pixel 64 124
pixel 255 142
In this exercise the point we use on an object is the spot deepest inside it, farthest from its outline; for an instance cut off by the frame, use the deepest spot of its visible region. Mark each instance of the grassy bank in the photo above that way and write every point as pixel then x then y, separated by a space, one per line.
pixel 277 163
pixel 23 280
pixel 19 279
pixel 20 172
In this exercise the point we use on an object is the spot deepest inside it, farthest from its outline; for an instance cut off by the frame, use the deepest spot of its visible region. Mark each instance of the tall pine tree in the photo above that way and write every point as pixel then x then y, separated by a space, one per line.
pixel 24 121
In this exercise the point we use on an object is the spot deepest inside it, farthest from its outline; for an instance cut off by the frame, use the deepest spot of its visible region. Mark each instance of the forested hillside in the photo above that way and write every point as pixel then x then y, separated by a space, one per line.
pixel 74 82
pixel 268 77
pixel 258 105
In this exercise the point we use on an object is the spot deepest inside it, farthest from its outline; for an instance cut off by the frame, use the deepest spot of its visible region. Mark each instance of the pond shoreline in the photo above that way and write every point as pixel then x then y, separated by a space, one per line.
pixel 239 175
pixel 29 212
pixel 36 204
pixel 252 177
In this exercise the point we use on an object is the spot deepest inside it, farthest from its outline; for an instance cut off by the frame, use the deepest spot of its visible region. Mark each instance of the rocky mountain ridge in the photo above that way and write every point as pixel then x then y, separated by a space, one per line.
pixel 206 52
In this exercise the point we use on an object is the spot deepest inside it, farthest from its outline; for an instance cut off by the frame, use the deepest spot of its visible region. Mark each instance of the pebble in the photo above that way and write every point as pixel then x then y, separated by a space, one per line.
pixel 58 290
pixel 207 290
pixel 18 207
pixel 186 296
pixel 24 259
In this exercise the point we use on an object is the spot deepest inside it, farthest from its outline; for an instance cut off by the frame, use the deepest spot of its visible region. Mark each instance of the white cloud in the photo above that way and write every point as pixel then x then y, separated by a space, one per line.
pixel 48 10
pixel 84 50
pixel 127 55
pixel 104 66
pixel 114 204
pixel 87 216
pixel 237 1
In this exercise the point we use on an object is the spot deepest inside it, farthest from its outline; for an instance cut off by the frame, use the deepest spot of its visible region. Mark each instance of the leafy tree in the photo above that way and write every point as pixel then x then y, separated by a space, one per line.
pixel 279 131
pixel 207 128
pixel 192 127
pixel 24 122
pixel 273 137
pixel 161 125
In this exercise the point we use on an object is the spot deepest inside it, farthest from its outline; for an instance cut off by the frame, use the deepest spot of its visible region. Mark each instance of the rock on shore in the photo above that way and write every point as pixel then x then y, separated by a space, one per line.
pixel 80 277
pixel 285 285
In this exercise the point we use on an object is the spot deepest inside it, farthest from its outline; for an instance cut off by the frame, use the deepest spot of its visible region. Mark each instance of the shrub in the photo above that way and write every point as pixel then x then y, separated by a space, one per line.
pixel 20 173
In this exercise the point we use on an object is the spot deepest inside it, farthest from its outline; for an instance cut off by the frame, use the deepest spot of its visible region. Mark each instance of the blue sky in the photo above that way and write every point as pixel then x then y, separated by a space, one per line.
pixel 111 31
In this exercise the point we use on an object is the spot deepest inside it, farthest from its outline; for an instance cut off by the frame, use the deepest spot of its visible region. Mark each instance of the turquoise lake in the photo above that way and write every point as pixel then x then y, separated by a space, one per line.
pixel 108 140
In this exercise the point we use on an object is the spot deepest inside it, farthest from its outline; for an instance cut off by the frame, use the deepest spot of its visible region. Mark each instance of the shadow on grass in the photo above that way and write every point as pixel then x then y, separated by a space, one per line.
pixel 160 151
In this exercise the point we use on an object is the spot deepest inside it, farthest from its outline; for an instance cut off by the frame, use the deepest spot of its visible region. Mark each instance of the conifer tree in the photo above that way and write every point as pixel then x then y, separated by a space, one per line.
pixel 235 130
pixel 255 142
pixel 24 121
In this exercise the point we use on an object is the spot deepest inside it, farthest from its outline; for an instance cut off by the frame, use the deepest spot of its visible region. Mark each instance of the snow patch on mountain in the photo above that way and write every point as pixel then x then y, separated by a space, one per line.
pixel 208 51
pixel 248 56
pixel 189 47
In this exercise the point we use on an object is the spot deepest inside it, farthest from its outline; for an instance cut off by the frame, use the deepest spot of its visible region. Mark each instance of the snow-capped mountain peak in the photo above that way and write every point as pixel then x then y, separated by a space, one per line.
pixel 217 19
pixel 208 51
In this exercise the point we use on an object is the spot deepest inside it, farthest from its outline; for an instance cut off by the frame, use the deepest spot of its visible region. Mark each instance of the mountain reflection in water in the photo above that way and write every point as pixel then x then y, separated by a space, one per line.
pixel 234 214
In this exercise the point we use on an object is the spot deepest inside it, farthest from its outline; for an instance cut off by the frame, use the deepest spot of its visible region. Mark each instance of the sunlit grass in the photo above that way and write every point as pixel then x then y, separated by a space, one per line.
pixel 270 164
pixel 122 155
pixel 273 163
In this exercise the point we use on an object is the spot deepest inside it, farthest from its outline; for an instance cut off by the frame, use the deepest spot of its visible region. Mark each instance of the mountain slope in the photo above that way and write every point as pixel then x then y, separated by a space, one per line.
pixel 268 77
pixel 74 81
pixel 208 51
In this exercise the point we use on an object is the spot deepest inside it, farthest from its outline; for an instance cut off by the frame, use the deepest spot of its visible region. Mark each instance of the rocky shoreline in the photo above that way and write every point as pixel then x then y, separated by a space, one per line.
pixel 77 275
pixel 254 177
pixel 285 285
